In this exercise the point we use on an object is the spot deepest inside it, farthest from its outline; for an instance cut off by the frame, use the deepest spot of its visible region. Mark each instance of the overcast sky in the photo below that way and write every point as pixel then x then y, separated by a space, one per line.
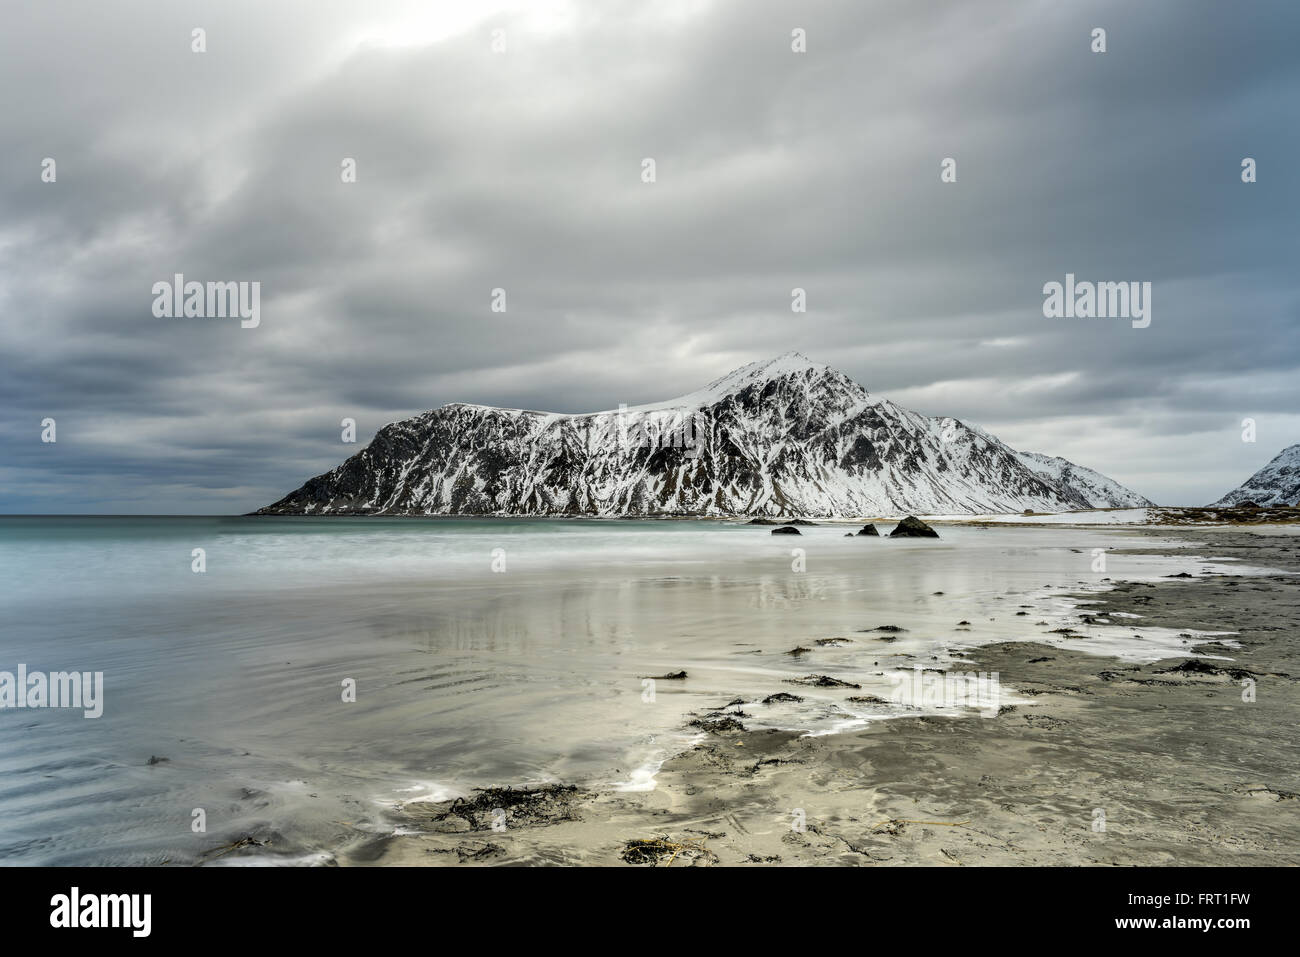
pixel 522 169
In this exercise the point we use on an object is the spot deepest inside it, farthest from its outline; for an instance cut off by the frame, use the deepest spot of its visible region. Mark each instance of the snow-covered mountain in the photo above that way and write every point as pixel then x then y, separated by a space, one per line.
pixel 1277 483
pixel 1099 490
pixel 786 436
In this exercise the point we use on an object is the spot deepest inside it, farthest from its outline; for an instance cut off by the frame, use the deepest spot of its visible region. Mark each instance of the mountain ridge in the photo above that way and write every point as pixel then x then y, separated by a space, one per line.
pixel 1277 483
pixel 782 436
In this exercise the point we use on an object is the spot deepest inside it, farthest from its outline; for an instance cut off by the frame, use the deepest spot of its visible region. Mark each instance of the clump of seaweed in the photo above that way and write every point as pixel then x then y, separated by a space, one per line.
pixel 546 804
pixel 654 850
pixel 822 681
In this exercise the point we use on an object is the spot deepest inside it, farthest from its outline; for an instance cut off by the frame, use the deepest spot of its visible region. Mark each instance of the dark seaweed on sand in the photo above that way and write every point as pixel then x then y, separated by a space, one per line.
pixel 545 804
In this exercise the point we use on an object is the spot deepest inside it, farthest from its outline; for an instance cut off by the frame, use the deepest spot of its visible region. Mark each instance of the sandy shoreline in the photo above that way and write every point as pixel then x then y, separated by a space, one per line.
pixel 1180 768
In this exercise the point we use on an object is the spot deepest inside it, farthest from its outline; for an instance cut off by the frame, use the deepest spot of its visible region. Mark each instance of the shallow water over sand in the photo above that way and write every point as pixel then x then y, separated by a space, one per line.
pixel 464 676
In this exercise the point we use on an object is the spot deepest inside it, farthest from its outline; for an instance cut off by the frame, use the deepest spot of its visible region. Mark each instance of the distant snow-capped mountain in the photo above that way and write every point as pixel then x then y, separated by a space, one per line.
pixel 1099 490
pixel 1277 483
pixel 785 436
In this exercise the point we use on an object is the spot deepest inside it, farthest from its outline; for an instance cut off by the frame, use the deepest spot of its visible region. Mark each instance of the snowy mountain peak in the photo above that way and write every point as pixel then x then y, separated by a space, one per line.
pixel 789 366
pixel 783 436
pixel 1277 483
pixel 789 363
pixel 790 376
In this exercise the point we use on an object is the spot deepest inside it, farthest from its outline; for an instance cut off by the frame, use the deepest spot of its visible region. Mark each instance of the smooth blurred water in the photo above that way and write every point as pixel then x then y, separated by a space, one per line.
pixel 465 676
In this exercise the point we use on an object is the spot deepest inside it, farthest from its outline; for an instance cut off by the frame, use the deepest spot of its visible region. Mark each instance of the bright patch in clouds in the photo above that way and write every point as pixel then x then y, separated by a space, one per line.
pixel 431 21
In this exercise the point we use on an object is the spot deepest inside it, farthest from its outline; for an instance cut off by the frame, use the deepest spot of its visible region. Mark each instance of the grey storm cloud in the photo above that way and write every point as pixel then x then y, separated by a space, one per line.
pixel 521 170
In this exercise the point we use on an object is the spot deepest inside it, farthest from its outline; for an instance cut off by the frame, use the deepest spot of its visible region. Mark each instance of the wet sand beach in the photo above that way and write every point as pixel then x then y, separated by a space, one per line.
pixel 1101 761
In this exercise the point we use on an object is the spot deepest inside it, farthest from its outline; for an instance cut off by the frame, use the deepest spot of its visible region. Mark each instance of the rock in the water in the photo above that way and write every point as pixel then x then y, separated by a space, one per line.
pixel 786 530
pixel 869 530
pixel 913 527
